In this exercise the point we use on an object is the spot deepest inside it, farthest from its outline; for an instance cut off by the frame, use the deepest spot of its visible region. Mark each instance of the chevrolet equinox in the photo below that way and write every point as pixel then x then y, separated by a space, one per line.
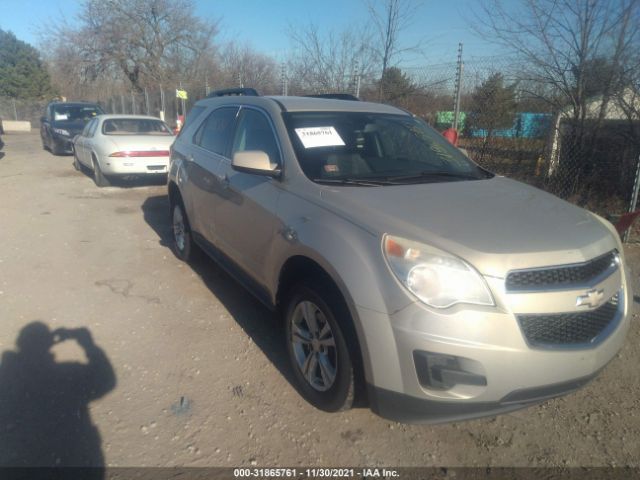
pixel 405 274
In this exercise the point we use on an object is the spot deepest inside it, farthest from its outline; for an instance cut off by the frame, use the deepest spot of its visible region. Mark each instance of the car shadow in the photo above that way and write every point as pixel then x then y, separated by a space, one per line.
pixel 131 181
pixel 138 181
pixel 261 324
pixel 44 405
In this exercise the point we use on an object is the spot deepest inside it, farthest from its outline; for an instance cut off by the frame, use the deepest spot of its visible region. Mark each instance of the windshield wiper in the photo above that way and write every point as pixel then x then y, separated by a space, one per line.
pixel 365 182
pixel 429 174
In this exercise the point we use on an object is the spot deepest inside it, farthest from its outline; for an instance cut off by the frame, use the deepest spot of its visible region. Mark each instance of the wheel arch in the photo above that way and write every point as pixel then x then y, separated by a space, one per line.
pixel 299 266
pixel 173 192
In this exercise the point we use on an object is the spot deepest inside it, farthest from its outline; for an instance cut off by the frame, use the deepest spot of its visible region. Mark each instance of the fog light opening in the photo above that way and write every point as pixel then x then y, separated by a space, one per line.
pixel 443 372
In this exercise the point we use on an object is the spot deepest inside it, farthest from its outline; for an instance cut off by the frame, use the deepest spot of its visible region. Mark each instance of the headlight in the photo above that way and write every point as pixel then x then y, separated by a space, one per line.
pixel 62 131
pixel 436 277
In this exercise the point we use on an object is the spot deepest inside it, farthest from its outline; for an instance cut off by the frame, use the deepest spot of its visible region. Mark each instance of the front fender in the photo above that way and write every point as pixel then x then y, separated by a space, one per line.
pixel 352 257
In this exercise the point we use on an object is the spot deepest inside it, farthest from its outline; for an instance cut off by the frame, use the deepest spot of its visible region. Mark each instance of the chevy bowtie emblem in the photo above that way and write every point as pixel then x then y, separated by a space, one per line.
pixel 592 298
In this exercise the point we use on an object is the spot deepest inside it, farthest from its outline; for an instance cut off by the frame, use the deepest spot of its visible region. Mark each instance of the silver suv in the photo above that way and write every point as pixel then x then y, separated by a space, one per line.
pixel 405 274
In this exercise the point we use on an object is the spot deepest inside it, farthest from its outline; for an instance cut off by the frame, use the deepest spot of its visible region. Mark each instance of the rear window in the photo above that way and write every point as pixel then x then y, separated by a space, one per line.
pixel 134 126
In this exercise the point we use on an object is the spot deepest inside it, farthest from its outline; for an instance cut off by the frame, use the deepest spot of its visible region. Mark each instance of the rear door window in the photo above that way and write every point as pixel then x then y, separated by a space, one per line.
pixel 193 114
pixel 87 127
pixel 93 127
pixel 214 133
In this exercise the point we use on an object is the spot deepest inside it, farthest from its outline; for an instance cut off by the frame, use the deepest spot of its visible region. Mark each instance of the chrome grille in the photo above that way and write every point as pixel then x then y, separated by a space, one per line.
pixel 562 276
pixel 575 328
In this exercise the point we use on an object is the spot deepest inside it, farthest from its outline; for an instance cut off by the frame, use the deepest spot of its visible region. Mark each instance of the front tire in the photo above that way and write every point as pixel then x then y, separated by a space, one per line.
pixel 98 177
pixel 55 149
pixel 318 348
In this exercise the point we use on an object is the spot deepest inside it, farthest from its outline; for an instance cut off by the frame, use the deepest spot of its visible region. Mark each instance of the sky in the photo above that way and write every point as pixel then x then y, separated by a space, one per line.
pixel 438 25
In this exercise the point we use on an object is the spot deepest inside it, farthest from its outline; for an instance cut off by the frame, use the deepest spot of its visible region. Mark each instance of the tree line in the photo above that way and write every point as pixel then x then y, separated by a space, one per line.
pixel 569 52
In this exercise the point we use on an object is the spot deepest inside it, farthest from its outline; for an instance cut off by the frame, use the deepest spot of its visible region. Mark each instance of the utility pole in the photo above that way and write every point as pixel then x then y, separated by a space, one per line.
pixel 458 88
pixel 146 100
pixel 356 79
pixel 162 105
pixel 182 103
pixel 283 80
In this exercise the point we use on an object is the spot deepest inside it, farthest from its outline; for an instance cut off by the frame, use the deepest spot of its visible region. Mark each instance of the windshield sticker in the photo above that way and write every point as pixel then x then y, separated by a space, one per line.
pixel 319 137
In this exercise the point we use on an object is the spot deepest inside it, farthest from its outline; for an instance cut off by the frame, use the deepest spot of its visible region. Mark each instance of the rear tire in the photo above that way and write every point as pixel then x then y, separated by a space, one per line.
pixel 319 350
pixel 76 163
pixel 98 177
pixel 183 245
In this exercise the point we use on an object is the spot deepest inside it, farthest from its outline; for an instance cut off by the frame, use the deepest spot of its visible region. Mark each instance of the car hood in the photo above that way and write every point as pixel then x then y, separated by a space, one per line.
pixel 496 224
pixel 74 127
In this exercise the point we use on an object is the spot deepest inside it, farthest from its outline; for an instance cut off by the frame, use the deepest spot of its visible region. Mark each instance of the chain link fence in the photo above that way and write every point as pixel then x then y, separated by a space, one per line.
pixel 592 161
pixel 24 110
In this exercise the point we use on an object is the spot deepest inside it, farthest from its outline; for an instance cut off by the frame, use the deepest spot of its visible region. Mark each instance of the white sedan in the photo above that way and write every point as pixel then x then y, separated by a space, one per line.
pixel 123 145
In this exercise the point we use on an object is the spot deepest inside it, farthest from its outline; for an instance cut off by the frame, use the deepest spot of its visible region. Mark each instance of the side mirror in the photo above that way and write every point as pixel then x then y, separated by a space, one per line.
pixel 255 162
pixel 43 119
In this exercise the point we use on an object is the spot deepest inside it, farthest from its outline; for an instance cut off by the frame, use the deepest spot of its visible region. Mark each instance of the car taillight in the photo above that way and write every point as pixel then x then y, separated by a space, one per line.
pixel 141 153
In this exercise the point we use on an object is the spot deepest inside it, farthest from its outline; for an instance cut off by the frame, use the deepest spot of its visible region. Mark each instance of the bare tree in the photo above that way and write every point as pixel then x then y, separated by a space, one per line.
pixel 243 66
pixel 327 61
pixel 144 41
pixel 390 18
pixel 574 54
pixel 561 43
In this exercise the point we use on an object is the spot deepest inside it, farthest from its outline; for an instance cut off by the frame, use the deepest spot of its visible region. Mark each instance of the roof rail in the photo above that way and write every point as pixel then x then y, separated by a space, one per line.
pixel 249 92
pixel 336 96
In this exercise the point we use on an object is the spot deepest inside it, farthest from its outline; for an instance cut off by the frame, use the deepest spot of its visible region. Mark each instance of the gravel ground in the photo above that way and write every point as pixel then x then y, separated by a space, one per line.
pixel 201 378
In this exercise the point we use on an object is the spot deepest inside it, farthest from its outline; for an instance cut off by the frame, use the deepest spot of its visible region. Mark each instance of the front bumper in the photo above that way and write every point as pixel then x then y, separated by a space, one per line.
pixel 62 144
pixel 504 372
pixel 408 409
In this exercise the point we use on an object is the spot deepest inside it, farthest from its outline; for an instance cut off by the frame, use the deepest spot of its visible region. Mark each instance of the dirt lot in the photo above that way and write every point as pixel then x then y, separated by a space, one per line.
pixel 201 377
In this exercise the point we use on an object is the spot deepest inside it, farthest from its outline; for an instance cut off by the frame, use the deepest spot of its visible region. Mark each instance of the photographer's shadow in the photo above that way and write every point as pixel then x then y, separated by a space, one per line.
pixel 44 405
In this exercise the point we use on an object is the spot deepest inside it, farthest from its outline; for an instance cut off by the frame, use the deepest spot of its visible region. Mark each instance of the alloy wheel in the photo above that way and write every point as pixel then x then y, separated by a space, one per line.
pixel 314 346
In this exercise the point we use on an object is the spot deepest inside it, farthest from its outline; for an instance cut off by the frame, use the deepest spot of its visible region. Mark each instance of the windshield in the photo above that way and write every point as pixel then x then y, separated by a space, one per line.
pixel 375 149
pixel 76 112
pixel 134 126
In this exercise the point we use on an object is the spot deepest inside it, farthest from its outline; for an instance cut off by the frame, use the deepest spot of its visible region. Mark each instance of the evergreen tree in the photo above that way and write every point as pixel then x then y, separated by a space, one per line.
pixel 395 85
pixel 22 72
pixel 493 105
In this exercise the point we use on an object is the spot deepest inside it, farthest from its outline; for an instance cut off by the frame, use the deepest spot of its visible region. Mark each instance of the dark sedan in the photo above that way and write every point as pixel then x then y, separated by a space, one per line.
pixel 63 121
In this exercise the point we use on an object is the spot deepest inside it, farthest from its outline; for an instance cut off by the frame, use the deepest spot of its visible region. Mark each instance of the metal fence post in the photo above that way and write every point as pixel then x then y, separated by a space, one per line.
pixel 634 199
pixel 146 100
pixel 456 107
pixel 122 103
pixel 15 110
